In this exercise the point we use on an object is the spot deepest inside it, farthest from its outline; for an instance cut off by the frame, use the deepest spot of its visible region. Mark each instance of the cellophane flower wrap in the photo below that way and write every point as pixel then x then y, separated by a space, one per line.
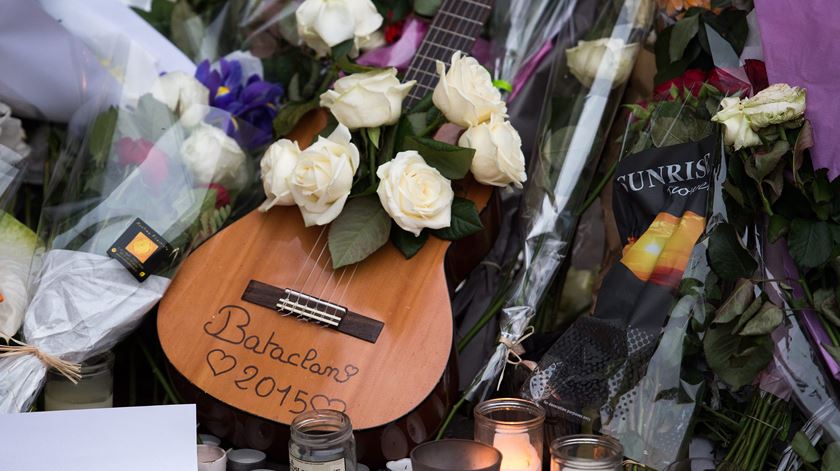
pixel 134 190
pixel 584 94
pixel 17 245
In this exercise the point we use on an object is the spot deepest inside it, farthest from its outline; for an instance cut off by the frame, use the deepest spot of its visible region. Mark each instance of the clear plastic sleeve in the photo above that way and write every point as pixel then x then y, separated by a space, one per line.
pixel 135 189
pixel 587 81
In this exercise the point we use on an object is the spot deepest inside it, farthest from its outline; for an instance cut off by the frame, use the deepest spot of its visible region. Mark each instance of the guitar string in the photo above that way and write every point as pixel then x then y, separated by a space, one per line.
pixel 303 267
pixel 416 62
pixel 326 267
pixel 448 22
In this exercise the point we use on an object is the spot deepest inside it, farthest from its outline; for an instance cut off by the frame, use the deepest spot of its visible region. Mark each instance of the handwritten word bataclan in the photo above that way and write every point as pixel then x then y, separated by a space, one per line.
pixel 230 325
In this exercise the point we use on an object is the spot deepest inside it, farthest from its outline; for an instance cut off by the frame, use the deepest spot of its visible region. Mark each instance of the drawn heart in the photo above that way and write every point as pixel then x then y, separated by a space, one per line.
pixel 350 371
pixel 220 362
pixel 320 402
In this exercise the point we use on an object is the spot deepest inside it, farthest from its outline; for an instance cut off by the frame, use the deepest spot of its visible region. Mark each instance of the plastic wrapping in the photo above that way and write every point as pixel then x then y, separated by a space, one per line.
pixel 17 246
pixel 133 191
pixel 613 368
pixel 583 98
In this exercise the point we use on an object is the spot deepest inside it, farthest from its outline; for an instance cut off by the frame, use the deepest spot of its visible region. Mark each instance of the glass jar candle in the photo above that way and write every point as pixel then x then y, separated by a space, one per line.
pixel 94 390
pixel 515 428
pixel 586 453
pixel 322 440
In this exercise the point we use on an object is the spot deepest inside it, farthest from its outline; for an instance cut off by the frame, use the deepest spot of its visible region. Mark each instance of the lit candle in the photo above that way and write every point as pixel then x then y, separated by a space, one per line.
pixel 517 452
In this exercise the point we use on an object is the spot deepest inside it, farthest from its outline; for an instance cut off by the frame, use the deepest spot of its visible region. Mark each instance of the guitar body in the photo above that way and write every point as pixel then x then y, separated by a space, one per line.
pixel 272 367
pixel 378 341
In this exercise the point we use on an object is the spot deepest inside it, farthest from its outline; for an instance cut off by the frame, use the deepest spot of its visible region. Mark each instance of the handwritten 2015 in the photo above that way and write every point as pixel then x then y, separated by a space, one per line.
pixel 248 378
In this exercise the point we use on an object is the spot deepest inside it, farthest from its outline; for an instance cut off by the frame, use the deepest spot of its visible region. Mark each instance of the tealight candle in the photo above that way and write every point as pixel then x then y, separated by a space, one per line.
pixel 515 428
pixel 517 452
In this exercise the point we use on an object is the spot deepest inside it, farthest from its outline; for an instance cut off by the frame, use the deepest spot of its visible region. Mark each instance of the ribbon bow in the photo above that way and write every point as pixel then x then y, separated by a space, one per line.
pixel 70 370
pixel 515 350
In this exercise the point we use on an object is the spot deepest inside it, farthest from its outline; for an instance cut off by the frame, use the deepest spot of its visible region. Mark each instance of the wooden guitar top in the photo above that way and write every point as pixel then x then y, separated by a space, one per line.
pixel 276 367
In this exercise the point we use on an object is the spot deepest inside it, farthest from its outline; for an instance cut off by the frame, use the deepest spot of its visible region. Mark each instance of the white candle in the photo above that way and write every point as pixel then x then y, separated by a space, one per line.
pixel 517 452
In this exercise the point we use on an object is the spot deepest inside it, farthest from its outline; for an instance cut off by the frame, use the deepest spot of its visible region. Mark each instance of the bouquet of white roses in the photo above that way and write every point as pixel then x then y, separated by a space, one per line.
pixel 133 191
pixel 376 165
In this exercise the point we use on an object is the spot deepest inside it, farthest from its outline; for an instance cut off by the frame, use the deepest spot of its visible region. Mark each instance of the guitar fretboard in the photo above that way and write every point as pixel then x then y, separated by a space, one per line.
pixel 455 27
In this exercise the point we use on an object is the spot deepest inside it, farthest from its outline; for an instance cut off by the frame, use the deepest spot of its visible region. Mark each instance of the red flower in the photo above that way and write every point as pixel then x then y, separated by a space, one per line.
pixel 393 31
pixel 691 79
pixel 153 163
pixel 727 83
pixel 222 195
pixel 757 73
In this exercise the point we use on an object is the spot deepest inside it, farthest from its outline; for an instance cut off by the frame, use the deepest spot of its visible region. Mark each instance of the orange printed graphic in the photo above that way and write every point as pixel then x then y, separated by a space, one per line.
pixel 661 254
pixel 141 247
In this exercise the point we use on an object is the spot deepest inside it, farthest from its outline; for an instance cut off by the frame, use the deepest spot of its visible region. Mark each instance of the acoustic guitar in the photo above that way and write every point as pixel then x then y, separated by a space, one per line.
pixel 257 318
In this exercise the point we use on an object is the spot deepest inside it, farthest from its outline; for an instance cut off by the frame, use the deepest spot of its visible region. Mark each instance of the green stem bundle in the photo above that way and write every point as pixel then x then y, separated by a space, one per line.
pixel 767 419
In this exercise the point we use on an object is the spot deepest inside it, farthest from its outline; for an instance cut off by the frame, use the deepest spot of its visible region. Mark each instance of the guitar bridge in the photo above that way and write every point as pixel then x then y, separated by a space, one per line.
pixel 312 309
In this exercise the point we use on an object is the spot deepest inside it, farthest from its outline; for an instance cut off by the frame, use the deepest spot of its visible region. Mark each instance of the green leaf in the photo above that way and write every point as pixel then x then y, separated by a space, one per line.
pixel 373 136
pixel 418 122
pixel 832 350
pixel 503 85
pixel 809 242
pixel 187 29
pixel 360 230
pixel 406 242
pixel 767 161
pixel 452 162
pixel 465 221
pixel 802 446
pixel 821 188
pixel 768 318
pixel 290 114
pixel 340 51
pixel 825 302
pixel 153 118
pixel 102 135
pixel 426 7
pixel 777 228
pixel 727 257
pixel 831 458
pixel 689 287
pixel 736 360
pixel 736 303
pixel 747 315
pixel 684 31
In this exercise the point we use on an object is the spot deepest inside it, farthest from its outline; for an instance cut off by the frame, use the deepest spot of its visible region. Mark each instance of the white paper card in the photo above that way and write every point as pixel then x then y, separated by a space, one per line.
pixel 158 438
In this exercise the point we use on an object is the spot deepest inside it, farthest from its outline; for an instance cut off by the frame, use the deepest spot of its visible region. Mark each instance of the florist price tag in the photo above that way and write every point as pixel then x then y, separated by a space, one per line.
pixel 140 250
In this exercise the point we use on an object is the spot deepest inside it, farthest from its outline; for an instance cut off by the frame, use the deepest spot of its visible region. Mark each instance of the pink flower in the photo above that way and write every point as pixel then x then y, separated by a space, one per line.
pixel 153 163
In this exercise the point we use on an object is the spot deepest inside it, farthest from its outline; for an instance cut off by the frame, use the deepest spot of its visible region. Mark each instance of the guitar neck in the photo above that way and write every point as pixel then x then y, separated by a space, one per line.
pixel 454 28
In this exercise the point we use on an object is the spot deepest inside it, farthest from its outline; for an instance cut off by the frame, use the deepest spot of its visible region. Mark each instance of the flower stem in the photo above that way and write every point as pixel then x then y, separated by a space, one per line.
pixel 450 416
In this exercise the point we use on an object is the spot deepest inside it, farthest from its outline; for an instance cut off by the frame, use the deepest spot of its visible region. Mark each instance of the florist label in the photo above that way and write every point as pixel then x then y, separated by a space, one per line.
pixel 233 325
pixel 140 250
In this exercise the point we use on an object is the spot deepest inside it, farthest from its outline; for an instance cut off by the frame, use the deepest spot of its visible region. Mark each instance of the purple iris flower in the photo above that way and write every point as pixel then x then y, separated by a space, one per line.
pixel 253 101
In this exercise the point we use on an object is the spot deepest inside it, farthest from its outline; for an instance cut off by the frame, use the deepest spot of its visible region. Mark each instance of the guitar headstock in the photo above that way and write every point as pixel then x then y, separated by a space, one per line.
pixel 455 27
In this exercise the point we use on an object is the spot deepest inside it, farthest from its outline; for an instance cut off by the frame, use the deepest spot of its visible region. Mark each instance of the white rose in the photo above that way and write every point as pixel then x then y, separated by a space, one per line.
pixel 779 103
pixel 323 177
pixel 11 132
pixel 213 157
pixel 323 24
pixel 608 58
pixel 367 100
pixel 465 94
pixel 738 132
pixel 184 95
pixel 498 156
pixel 414 194
pixel 276 167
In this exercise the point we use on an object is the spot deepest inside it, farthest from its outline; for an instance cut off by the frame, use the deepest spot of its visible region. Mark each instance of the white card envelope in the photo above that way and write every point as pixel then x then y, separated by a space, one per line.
pixel 158 438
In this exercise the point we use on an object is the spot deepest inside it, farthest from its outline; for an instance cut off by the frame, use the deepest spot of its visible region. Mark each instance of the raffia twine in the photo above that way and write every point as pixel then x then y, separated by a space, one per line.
pixel 70 370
